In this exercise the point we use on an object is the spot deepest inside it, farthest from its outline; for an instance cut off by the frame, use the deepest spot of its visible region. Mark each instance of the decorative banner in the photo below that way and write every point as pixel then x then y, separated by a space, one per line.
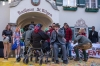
pixel 93 52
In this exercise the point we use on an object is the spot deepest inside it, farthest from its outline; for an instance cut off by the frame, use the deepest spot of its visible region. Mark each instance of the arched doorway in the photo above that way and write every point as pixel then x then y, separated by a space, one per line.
pixel 27 18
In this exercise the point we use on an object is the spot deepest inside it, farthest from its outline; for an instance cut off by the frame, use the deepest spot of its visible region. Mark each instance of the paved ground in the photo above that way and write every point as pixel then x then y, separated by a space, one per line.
pixel 12 62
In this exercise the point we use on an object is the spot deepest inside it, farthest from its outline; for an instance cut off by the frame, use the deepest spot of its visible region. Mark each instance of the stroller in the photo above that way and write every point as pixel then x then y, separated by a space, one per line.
pixel 38 53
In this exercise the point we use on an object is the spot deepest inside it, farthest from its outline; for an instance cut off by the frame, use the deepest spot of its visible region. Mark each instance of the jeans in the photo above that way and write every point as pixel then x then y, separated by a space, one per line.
pixel 56 46
pixel 69 48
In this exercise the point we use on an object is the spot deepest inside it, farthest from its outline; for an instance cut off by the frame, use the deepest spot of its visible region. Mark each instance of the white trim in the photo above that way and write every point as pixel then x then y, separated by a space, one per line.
pixel 75 3
pixel 96 3
pixel 90 3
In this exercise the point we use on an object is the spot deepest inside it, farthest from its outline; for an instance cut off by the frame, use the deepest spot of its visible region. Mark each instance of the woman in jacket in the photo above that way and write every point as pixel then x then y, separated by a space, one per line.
pixel 83 32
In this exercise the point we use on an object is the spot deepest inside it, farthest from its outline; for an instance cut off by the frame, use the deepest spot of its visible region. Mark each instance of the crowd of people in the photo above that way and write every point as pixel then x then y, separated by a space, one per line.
pixel 55 37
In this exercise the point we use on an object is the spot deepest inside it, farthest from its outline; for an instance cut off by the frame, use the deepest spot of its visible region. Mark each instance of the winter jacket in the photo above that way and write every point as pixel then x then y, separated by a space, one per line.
pixel 36 38
pixel 68 34
pixel 82 40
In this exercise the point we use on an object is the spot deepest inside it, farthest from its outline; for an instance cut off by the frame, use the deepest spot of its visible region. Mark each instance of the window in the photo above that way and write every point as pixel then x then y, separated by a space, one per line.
pixel 81 3
pixel 98 3
pixel 71 3
pixel 59 2
pixel 91 4
pixel 87 3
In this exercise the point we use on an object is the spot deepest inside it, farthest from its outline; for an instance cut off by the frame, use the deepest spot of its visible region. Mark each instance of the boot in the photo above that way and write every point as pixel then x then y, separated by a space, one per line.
pixel 77 54
pixel 65 61
pixel 85 55
pixel 85 59
pixel 76 59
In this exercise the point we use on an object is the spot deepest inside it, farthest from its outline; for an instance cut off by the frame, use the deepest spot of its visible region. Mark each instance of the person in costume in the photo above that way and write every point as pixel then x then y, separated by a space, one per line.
pixel 16 37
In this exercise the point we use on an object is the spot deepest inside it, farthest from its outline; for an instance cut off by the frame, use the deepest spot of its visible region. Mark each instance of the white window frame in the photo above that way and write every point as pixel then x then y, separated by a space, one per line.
pixel 67 3
pixel 90 5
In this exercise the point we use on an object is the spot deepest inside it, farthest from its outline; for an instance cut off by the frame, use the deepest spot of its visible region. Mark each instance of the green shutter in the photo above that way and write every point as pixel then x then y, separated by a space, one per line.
pixel 98 3
pixel 81 3
pixel 59 2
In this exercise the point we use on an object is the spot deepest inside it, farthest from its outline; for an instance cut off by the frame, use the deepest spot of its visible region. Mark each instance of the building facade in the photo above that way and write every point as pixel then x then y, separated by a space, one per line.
pixel 83 13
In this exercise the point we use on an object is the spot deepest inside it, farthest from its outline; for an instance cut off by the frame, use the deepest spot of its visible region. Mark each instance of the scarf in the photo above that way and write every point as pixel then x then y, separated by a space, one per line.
pixel 37 28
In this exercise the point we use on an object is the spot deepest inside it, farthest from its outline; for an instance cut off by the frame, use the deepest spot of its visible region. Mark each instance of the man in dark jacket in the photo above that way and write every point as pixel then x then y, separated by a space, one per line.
pixel 57 40
pixel 37 36
pixel 93 35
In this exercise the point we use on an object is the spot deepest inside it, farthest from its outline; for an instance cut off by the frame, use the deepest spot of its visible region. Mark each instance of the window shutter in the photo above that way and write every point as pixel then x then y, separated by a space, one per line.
pixel 98 3
pixel 59 2
pixel 81 3
pixel 3 0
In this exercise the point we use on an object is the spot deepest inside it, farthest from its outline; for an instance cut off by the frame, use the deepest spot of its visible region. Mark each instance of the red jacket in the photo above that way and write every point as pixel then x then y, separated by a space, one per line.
pixel 50 30
pixel 68 34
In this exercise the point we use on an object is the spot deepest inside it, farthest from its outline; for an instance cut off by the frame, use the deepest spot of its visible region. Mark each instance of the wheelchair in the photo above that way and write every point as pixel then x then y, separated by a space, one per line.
pixel 37 53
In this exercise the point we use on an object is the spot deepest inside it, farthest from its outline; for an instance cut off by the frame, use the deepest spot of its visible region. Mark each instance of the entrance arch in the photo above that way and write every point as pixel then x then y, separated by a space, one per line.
pixel 37 17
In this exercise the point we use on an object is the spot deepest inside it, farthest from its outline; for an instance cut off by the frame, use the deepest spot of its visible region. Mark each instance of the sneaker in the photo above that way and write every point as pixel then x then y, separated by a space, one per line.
pixel 65 61
pixel 18 59
pixel 5 58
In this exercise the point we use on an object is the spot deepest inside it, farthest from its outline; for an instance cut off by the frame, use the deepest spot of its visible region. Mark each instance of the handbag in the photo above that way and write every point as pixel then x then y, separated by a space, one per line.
pixel 14 46
pixel 6 40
